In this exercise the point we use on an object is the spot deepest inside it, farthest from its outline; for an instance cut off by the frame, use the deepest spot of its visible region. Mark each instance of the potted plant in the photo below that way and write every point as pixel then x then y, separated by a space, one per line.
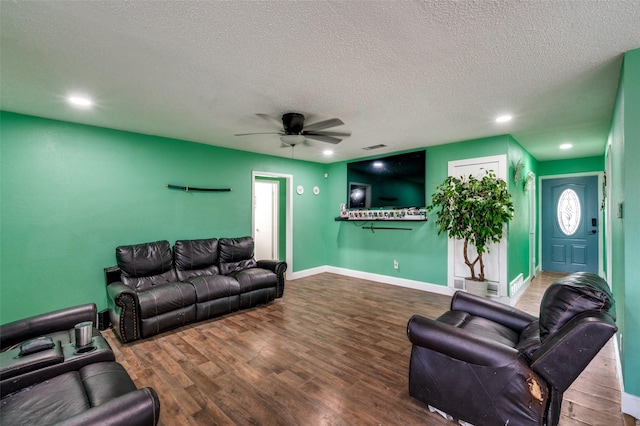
pixel 475 210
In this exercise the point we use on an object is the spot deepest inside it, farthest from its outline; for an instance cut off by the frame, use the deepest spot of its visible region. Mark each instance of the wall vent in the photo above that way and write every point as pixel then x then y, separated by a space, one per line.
pixel 369 148
pixel 458 284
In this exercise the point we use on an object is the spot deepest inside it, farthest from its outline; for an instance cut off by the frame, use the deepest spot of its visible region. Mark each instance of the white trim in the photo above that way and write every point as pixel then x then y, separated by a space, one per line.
pixel 289 210
pixel 629 404
pixel 384 279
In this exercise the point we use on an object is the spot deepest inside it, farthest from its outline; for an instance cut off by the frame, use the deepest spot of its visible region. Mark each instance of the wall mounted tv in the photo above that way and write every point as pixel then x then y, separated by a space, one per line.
pixel 393 182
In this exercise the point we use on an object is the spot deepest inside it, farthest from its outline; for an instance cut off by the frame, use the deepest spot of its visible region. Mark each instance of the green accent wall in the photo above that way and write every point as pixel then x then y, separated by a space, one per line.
pixel 421 253
pixel 518 229
pixel 623 177
pixel 72 193
pixel 571 165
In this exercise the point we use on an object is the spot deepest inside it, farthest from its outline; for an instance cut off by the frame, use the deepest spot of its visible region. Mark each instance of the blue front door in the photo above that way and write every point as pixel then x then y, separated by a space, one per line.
pixel 570 224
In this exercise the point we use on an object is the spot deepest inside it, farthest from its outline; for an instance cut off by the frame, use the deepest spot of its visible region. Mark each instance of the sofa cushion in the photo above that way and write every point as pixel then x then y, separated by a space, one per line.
pixel 236 254
pixel 195 258
pixel 66 395
pixel 165 298
pixel 572 295
pixel 145 265
pixel 480 327
pixel 211 287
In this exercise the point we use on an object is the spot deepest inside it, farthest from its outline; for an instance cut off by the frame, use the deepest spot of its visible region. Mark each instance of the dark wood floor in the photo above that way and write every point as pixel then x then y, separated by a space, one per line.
pixel 332 351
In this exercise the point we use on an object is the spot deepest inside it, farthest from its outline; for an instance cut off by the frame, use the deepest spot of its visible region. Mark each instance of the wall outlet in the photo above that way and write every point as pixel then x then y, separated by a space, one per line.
pixel 395 264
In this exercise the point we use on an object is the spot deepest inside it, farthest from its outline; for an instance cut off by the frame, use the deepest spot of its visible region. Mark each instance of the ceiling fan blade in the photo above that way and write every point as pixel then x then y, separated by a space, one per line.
pixel 327 133
pixel 270 119
pixel 332 122
pixel 323 138
pixel 259 133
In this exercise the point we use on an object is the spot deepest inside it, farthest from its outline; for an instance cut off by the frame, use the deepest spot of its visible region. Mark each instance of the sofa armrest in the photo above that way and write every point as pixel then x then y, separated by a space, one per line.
pixel 562 357
pixel 277 267
pixel 39 325
pixel 458 343
pixel 497 312
pixel 138 408
pixel 124 311
pixel 112 274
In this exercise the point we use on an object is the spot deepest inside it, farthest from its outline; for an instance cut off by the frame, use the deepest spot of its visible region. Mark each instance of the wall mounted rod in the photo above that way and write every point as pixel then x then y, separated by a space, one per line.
pixel 192 188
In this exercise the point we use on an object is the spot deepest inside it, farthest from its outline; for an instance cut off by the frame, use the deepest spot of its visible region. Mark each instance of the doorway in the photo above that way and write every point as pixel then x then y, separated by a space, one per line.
pixel 267 218
pixel 272 216
pixel 571 222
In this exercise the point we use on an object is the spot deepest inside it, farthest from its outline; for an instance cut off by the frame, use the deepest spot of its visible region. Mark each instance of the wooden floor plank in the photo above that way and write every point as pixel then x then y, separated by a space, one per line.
pixel 332 351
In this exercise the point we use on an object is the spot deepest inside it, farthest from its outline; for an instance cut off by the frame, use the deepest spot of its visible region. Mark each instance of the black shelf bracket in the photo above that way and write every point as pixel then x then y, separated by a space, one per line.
pixel 192 188
pixel 373 228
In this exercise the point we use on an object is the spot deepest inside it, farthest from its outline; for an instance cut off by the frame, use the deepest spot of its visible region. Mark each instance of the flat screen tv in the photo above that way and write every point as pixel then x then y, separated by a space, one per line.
pixel 392 182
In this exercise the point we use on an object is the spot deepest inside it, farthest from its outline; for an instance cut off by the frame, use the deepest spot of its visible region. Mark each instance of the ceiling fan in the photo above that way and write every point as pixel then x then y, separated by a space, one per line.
pixel 295 132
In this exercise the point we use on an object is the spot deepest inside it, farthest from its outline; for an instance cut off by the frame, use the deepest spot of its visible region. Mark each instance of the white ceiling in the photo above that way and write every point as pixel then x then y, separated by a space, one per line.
pixel 402 73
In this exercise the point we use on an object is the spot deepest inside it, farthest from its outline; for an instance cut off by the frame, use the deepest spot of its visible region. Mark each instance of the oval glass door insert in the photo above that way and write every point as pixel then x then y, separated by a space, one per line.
pixel 569 211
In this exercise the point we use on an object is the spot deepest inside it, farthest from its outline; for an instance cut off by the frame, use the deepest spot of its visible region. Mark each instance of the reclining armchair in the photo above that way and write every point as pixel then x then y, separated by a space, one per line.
pixel 37 348
pixel 486 363
pixel 96 394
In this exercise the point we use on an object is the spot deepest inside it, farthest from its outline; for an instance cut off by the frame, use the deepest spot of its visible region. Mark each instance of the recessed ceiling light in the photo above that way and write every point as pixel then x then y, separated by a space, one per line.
pixel 80 101
pixel 378 164
pixel 503 118
pixel 327 152
pixel 566 146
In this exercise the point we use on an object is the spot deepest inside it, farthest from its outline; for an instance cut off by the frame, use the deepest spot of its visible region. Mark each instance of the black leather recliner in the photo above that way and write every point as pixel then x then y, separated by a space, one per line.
pixel 96 394
pixel 488 364
pixel 40 347
pixel 47 378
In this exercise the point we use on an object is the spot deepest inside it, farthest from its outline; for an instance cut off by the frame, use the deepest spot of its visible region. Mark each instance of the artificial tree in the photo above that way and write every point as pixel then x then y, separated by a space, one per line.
pixel 475 210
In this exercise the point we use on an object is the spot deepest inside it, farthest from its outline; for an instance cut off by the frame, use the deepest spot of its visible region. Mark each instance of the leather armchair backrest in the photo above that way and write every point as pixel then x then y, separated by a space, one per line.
pixel 572 295
pixel 194 258
pixel 145 265
pixel 236 254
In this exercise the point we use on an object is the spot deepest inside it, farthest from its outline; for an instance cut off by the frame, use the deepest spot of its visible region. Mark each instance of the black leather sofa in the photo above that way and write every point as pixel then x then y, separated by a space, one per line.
pixel 490 364
pixel 153 288
pixel 47 378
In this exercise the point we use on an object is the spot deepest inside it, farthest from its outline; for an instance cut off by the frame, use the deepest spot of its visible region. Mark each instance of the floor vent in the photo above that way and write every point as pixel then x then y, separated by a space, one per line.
pixel 493 289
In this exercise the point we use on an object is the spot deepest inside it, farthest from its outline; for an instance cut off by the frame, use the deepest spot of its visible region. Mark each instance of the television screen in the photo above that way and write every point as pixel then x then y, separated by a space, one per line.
pixel 396 181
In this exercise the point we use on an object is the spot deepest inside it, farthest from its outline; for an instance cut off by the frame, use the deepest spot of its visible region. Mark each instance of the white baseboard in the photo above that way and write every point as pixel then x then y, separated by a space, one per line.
pixel 629 404
pixel 385 279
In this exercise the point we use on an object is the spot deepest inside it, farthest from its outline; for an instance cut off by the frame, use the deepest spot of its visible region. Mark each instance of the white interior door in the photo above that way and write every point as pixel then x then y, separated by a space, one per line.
pixel 495 262
pixel 265 233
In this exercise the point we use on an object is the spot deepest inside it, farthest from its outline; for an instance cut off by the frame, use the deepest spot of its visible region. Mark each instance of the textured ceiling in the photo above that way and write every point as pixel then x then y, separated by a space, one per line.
pixel 404 74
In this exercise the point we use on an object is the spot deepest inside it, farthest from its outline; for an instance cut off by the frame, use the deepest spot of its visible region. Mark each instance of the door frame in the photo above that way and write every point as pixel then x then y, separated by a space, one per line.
pixel 601 226
pixel 288 210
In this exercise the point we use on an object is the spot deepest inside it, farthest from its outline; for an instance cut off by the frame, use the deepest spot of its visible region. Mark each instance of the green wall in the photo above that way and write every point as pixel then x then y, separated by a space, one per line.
pixel 421 253
pixel 72 193
pixel 623 179
pixel 518 234
pixel 571 165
